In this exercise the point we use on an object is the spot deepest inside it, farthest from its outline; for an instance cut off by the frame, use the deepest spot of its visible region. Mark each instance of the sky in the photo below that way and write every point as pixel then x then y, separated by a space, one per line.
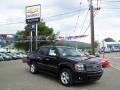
pixel 107 19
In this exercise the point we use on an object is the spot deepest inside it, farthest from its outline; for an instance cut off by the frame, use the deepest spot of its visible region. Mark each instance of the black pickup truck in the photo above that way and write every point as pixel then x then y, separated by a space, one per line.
pixel 66 62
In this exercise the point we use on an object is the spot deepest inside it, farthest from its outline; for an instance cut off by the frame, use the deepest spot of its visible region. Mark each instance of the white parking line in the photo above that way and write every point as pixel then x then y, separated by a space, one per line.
pixel 116 57
pixel 115 66
pixel 84 89
pixel 8 88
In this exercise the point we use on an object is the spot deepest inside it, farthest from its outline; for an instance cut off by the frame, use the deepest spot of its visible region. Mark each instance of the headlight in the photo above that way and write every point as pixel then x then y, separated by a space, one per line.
pixel 79 67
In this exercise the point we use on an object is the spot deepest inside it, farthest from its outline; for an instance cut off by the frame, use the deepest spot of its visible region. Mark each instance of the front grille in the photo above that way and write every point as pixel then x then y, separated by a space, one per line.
pixel 93 67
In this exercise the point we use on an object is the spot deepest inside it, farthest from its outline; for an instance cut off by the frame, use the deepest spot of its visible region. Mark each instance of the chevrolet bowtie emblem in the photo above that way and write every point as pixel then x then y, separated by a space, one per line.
pixel 31 10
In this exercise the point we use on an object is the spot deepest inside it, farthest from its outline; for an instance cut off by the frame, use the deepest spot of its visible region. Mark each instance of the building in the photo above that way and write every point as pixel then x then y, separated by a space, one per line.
pixel 109 46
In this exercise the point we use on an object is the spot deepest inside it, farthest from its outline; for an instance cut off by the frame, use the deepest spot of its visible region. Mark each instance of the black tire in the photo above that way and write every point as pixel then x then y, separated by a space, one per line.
pixel 66 80
pixel 33 68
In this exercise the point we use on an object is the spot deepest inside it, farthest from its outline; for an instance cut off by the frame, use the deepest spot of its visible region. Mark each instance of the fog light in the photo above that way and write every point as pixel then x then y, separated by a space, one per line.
pixel 79 78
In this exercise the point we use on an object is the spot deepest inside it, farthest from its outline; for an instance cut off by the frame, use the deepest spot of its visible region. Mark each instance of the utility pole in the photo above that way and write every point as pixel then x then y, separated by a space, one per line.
pixel 92 27
pixel 31 37
pixel 36 35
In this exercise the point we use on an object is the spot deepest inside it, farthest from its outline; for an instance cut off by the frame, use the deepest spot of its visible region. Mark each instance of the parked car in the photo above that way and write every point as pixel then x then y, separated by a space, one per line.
pixel 65 62
pixel 106 50
pixel 6 57
pixel 1 58
pixel 23 54
pixel 19 56
pixel 12 55
pixel 97 54
pixel 104 62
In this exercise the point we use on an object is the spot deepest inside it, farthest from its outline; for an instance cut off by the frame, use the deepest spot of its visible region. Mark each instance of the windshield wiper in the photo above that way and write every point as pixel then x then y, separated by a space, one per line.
pixel 73 55
pixel 68 55
pixel 76 55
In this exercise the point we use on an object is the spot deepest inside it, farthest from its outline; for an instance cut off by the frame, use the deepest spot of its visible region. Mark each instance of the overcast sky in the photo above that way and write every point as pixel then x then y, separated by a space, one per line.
pixel 107 20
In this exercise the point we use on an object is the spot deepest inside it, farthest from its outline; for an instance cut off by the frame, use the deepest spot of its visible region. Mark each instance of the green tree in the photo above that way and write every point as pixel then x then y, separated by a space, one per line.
pixel 109 39
pixel 43 32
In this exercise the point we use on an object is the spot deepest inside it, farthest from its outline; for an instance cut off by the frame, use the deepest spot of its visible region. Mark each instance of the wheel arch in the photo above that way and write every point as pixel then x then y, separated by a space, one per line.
pixel 64 65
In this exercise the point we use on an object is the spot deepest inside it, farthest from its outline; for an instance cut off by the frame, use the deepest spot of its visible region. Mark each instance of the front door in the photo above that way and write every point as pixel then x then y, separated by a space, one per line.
pixel 52 60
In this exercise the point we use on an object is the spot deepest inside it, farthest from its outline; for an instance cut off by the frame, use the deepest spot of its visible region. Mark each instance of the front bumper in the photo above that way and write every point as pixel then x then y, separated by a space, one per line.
pixel 85 76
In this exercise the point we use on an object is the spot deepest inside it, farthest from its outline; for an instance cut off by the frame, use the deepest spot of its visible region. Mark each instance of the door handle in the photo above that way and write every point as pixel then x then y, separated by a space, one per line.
pixel 47 59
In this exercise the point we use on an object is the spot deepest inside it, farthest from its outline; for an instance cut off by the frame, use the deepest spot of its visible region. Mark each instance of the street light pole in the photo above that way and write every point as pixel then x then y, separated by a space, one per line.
pixel 92 27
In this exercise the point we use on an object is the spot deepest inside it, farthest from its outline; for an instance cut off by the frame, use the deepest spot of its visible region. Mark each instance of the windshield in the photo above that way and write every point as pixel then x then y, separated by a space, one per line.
pixel 66 51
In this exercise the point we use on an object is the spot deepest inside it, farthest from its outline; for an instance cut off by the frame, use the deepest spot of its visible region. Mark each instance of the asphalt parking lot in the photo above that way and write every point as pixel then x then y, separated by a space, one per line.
pixel 114 59
pixel 15 75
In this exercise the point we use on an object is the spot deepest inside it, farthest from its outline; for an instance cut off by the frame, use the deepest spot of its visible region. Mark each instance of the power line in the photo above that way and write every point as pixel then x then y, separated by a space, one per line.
pixel 58 15
pixel 12 23
pixel 76 24
pixel 73 10
pixel 98 8
pixel 110 0
pixel 113 2
pixel 84 21
pixel 64 13
pixel 110 8
pixel 61 17
pixel 99 4
pixel 88 25
pixel 86 29
pixel 95 13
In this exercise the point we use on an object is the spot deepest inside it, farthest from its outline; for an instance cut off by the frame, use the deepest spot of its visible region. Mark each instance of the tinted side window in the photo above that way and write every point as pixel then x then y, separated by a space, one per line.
pixel 52 52
pixel 43 50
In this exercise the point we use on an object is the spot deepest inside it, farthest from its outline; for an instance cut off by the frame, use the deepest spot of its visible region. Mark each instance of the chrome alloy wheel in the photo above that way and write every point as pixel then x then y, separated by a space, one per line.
pixel 65 78
pixel 32 68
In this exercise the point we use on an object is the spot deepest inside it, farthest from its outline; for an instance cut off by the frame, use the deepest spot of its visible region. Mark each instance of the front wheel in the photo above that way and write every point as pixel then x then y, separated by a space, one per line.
pixel 66 77
pixel 33 68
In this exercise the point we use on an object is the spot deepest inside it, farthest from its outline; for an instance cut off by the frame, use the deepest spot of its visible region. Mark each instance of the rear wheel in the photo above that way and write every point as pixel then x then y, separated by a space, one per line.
pixel 66 77
pixel 33 68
